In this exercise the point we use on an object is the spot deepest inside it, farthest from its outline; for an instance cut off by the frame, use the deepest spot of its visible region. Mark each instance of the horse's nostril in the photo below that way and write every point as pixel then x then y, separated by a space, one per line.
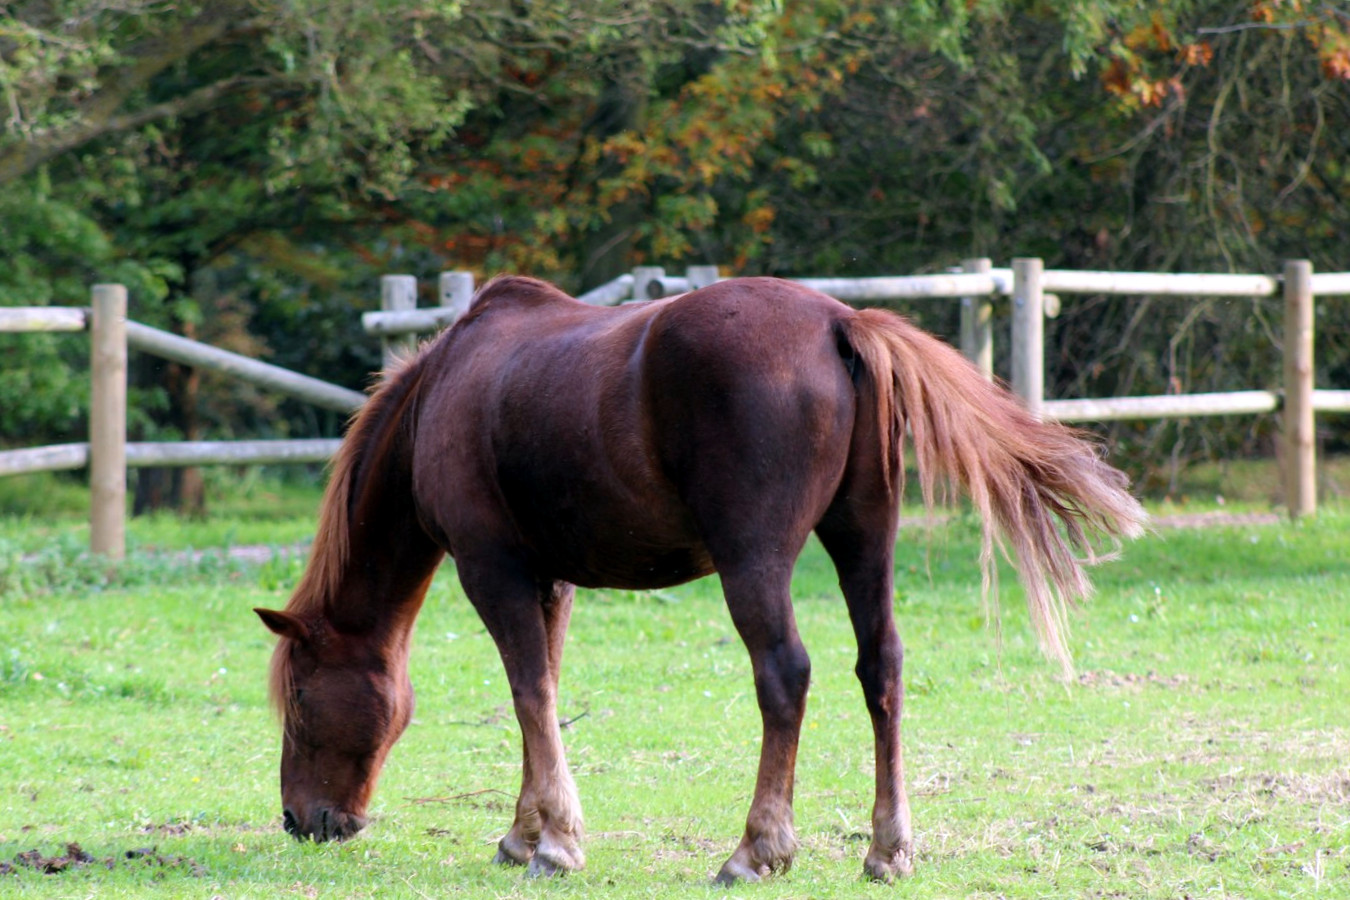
pixel 289 823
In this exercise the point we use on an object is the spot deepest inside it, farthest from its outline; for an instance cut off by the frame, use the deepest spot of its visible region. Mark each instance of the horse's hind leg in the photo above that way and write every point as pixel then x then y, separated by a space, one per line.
pixel 528 622
pixel 761 609
pixel 864 559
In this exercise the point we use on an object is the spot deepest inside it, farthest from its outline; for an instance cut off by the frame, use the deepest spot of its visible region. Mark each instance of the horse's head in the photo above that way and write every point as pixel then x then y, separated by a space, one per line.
pixel 343 705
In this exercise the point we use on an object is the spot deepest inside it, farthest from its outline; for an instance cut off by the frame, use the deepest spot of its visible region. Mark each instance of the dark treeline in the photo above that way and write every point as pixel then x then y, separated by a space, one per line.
pixel 250 167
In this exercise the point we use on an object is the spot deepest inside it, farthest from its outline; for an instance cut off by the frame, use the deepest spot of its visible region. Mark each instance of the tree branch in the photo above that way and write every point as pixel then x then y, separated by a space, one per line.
pixel 98 115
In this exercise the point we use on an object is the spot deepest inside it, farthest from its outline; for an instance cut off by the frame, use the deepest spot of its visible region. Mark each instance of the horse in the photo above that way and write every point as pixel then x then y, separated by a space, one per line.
pixel 545 444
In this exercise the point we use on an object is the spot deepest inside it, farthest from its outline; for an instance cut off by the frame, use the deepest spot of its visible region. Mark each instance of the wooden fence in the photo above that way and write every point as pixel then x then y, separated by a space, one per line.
pixel 1034 292
pixel 108 455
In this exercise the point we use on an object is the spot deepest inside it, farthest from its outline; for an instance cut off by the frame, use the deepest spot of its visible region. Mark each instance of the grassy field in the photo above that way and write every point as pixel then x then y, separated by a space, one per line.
pixel 1204 750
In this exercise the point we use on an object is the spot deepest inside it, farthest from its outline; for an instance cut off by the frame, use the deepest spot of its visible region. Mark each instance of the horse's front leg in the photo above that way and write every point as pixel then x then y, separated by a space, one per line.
pixel 761 609
pixel 529 633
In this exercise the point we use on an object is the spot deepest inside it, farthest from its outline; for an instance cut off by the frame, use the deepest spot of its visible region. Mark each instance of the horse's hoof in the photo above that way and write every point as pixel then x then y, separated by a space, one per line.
pixel 542 866
pixel 900 865
pixel 512 856
pixel 556 858
pixel 733 870
pixel 502 858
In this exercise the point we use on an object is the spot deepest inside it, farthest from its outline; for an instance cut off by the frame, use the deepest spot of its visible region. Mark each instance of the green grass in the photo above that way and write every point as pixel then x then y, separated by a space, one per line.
pixel 1203 752
pixel 39 512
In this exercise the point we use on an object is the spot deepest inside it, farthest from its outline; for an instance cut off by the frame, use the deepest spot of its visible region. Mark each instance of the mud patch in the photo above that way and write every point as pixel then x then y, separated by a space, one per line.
pixel 76 857
pixel 1131 680
pixel 1315 790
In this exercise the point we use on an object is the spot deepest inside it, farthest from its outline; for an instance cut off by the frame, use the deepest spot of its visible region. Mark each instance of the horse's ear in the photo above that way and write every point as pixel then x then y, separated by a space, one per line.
pixel 283 624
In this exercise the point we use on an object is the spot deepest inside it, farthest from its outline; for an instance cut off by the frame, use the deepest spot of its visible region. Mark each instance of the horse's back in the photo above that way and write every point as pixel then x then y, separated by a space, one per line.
pixel 755 407
pixel 607 445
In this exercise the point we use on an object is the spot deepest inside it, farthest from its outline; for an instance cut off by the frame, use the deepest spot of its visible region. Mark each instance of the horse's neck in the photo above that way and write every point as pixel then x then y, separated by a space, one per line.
pixel 389 566
pixel 389 558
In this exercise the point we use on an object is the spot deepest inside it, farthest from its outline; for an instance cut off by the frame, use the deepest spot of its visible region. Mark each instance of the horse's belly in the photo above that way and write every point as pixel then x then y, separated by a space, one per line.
pixel 645 571
pixel 604 545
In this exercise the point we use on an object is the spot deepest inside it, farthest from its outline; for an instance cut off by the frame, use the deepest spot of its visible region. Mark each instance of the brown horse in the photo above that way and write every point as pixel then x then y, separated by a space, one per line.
pixel 545 444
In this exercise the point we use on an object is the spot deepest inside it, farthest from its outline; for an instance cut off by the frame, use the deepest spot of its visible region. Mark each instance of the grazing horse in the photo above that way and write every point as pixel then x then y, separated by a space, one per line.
pixel 545 444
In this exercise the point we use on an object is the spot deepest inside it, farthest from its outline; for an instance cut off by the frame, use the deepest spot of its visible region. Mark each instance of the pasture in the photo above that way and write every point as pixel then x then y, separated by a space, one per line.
pixel 1204 750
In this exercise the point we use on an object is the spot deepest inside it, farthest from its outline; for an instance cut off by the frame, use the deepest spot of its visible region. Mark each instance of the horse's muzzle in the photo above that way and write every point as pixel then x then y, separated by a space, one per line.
pixel 324 824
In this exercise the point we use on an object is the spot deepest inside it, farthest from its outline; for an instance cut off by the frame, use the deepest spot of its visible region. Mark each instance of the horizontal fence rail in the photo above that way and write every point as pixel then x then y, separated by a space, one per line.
pixel 169 454
pixel 52 458
pixel 1331 401
pixel 909 287
pixel 610 293
pixel 1158 284
pixel 1331 285
pixel 1168 406
pixel 108 455
pixel 232 453
pixel 265 375
pixel 1032 292
pixel 43 318
pixel 408 321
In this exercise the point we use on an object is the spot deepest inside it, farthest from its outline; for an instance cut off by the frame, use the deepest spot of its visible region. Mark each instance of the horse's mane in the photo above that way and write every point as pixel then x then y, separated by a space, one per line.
pixel 329 553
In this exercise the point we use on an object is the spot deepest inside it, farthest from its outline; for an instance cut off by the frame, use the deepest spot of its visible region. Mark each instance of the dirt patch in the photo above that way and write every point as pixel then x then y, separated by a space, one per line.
pixel 1314 790
pixel 75 857
pixel 1105 678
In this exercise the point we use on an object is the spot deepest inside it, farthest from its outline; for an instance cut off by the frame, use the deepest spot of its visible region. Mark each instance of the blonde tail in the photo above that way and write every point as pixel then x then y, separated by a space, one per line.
pixel 1038 486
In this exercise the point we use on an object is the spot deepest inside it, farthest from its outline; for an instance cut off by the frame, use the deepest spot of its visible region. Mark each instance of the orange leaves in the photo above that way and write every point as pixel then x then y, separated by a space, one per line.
pixel 759 219
pixel 1322 25
pixel 1268 12
pixel 1135 89
pixel 1197 54
pixel 1337 64
pixel 1333 45
pixel 1151 35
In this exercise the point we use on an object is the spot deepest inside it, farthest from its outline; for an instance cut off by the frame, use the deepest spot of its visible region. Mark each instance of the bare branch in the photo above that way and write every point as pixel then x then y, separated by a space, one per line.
pixel 98 115
pixel 24 158
pixel 1248 26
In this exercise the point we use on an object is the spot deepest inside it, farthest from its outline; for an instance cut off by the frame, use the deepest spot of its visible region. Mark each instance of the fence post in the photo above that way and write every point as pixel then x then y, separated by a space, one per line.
pixel 977 322
pixel 643 276
pixel 457 291
pixel 108 421
pixel 1028 333
pixel 397 293
pixel 1300 477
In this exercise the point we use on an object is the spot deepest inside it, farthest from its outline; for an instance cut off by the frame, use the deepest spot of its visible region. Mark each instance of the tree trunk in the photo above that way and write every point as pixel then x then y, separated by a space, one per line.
pixel 181 489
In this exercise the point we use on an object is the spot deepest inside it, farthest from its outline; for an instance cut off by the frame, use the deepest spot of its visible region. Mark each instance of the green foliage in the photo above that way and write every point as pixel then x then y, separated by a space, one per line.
pixel 250 167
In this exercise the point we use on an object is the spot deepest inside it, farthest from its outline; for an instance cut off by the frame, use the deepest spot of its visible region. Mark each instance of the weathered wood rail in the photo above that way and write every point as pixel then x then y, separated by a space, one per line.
pixel 107 454
pixel 1035 294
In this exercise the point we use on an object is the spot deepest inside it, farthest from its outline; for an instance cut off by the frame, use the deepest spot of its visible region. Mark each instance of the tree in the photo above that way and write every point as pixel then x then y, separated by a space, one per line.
pixel 250 166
